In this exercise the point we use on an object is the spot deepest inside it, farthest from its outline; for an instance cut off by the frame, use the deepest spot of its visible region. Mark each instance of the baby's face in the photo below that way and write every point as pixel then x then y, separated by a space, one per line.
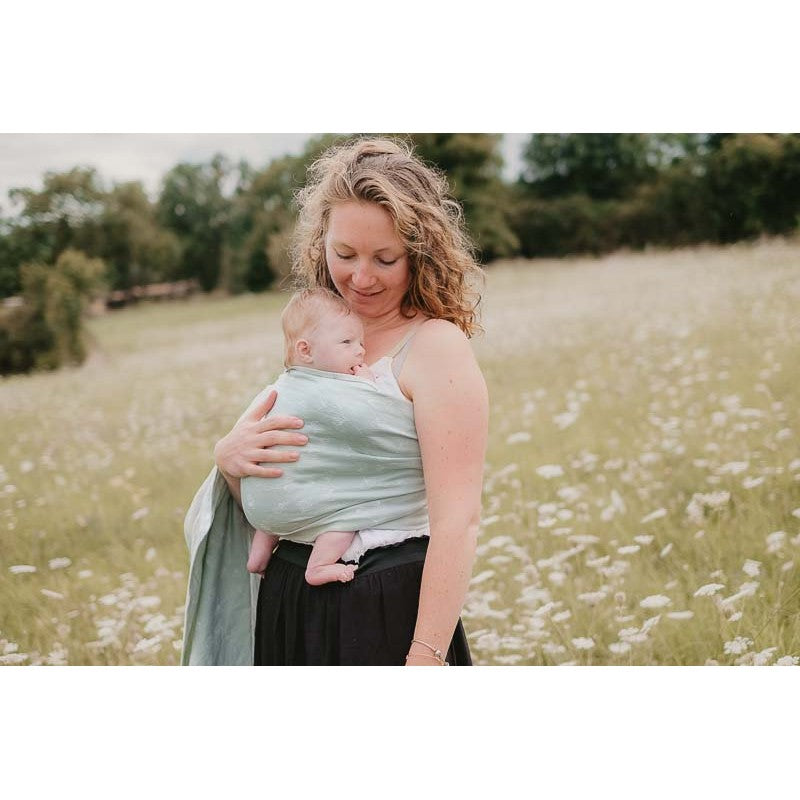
pixel 337 343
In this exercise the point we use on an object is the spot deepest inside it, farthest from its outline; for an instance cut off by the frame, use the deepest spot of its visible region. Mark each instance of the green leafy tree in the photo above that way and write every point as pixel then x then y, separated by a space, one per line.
pixel 602 166
pixel 47 330
pixel 136 248
pixel 263 213
pixel 65 213
pixel 193 206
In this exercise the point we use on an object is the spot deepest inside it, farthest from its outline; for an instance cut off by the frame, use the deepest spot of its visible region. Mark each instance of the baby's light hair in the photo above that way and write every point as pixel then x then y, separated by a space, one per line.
pixel 303 312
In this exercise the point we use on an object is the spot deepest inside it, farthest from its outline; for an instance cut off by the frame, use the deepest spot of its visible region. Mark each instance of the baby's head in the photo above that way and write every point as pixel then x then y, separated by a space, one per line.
pixel 321 332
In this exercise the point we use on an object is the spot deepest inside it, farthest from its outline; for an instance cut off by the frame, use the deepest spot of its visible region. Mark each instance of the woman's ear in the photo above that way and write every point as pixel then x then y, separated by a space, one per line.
pixel 303 350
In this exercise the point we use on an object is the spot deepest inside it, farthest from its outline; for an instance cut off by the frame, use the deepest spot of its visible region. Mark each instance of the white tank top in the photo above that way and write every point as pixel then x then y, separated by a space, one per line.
pixel 386 370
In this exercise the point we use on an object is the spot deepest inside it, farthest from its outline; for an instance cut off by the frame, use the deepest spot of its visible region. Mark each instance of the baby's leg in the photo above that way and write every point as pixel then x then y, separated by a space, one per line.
pixel 261 551
pixel 327 550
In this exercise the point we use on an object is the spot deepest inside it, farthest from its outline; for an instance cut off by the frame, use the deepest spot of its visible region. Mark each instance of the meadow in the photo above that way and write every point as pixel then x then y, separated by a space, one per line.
pixel 642 484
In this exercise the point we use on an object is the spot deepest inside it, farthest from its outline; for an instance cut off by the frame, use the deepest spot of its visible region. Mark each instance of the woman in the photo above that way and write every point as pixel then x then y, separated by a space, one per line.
pixel 376 226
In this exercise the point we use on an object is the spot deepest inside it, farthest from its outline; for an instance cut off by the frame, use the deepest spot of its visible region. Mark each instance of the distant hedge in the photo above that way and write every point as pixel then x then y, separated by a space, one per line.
pixel 741 187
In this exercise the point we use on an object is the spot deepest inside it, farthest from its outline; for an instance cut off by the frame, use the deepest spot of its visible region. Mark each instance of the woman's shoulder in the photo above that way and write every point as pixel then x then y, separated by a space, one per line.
pixel 440 334
pixel 438 342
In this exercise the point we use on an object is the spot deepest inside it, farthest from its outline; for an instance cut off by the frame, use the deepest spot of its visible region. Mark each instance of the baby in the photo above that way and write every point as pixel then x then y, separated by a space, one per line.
pixel 319 332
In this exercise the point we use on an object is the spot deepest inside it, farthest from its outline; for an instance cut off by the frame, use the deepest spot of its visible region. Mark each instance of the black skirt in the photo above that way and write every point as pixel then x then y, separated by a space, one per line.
pixel 368 621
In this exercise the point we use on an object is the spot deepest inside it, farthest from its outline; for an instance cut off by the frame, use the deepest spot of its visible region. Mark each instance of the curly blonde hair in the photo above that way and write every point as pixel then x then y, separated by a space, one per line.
pixel 444 271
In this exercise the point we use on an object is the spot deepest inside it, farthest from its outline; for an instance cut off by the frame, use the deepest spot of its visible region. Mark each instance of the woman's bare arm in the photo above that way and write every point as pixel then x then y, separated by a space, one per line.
pixel 451 411
pixel 248 444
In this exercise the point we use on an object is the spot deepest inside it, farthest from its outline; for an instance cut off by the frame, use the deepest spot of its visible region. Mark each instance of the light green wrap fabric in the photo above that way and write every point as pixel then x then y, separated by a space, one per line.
pixel 220 615
pixel 362 445
pixel 360 469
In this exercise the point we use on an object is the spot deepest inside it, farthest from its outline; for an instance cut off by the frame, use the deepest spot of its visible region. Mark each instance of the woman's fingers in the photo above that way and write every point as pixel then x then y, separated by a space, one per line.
pixel 278 422
pixel 273 456
pixel 260 409
pixel 272 438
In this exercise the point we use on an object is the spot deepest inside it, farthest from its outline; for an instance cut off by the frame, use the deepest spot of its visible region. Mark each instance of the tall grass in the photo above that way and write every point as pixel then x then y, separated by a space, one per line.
pixel 644 446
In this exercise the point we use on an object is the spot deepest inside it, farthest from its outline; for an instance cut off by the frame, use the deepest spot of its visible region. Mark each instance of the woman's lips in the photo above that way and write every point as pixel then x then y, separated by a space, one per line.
pixel 365 294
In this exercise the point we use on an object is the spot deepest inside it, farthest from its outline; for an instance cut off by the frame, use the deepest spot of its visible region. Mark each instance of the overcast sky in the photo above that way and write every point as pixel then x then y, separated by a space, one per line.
pixel 24 158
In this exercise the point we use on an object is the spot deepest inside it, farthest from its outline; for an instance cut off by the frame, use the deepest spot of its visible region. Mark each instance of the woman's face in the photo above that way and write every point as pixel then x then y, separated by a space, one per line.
pixel 366 259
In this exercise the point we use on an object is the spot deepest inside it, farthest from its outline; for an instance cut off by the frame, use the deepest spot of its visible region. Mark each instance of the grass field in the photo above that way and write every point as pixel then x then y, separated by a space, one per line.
pixel 642 485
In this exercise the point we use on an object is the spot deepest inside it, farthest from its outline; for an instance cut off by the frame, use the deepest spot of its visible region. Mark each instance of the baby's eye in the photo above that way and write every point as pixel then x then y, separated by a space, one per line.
pixel 346 341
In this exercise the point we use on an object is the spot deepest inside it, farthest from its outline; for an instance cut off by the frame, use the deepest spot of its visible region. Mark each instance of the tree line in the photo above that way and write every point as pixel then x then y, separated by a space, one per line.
pixel 227 225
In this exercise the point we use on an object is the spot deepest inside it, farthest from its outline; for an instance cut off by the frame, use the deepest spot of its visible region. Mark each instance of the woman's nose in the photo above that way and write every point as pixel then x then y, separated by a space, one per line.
pixel 362 277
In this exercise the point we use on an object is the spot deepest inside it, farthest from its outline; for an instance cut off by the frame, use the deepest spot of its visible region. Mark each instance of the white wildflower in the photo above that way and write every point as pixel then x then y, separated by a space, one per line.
pixel 52 594
pixel 699 502
pixel 59 563
pixel 592 598
pixel 751 483
pixel 796 513
pixel 657 514
pixel 569 494
pixel 655 601
pixel 26 466
pixel 146 644
pixel 14 658
pixel 549 471
pixel 557 577
pixel 751 568
pixel 643 538
pixel 140 513
pixel 619 648
pixel 680 614
pixel 150 554
pixel 516 438
pixel 20 569
pixel 583 643
pixel 85 573
pixel 709 589
pixel 148 601
pixel 787 661
pixel 565 419
pixel 665 550
pixel 733 467
pixel 783 434
pixel 763 657
pixel 481 577
pixel 553 649
pixel 737 646
pixel 562 616
pixel 628 549
pixel 584 538
pixel 747 589
pixel 776 541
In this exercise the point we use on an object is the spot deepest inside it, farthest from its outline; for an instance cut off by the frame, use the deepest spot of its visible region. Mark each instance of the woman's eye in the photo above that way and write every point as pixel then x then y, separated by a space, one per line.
pixel 386 263
pixel 341 256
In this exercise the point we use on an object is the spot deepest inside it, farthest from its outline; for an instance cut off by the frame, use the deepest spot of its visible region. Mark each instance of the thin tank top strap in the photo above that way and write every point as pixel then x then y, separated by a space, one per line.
pixel 402 343
pixel 401 351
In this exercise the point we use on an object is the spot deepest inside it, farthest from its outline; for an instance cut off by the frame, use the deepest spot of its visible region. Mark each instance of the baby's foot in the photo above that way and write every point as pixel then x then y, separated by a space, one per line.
pixel 257 563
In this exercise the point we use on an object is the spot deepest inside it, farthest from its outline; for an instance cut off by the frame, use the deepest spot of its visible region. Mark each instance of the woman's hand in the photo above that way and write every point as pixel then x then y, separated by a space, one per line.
pixel 248 444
